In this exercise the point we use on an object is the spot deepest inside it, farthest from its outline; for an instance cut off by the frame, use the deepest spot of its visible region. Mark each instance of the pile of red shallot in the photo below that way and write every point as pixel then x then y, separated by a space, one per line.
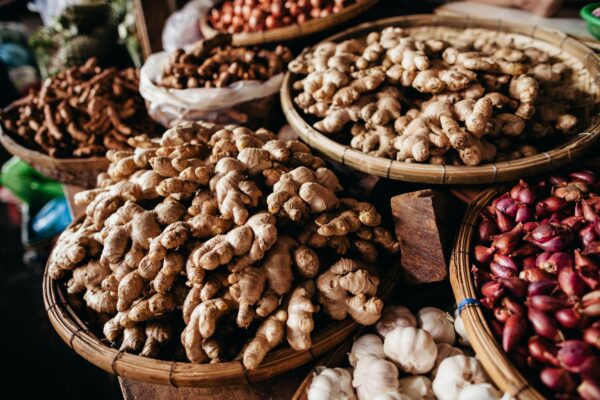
pixel 537 269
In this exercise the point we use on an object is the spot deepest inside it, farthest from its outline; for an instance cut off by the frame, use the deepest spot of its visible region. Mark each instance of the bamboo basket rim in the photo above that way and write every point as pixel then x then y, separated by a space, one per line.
pixel 450 174
pixel 79 336
pixel 493 358
pixel 291 32
pixel 21 151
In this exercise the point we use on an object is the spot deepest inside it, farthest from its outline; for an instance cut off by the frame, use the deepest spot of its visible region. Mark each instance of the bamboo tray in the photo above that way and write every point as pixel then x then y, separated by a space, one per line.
pixel 495 361
pixel 587 71
pixel 80 336
pixel 292 32
pixel 72 171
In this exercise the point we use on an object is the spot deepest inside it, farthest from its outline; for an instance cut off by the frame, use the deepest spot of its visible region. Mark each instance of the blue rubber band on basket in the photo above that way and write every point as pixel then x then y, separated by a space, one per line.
pixel 466 303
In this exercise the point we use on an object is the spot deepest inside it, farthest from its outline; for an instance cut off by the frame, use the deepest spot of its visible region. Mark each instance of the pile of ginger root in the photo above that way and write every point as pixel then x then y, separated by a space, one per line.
pixel 214 243
pixel 468 98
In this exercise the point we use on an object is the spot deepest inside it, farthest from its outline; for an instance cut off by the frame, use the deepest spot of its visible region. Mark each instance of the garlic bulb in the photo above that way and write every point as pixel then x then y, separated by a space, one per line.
pixel 454 373
pixel 393 317
pixel 364 345
pixel 374 376
pixel 416 387
pixel 481 391
pixel 438 323
pixel 459 327
pixel 444 351
pixel 412 349
pixel 332 383
pixel 392 396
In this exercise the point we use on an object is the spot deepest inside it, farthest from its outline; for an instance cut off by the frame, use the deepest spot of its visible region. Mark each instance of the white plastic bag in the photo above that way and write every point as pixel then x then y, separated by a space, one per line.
pixel 169 106
pixel 182 27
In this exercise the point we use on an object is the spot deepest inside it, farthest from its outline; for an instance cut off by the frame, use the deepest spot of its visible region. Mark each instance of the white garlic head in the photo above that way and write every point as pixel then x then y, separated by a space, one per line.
pixel 332 383
pixel 392 396
pixel 412 349
pixel 438 323
pixel 374 376
pixel 459 327
pixel 394 317
pixel 416 387
pixel 365 345
pixel 455 373
pixel 481 391
pixel 444 351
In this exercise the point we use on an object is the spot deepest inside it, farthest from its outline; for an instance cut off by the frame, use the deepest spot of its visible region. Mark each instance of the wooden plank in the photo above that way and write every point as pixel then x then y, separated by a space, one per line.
pixel 419 219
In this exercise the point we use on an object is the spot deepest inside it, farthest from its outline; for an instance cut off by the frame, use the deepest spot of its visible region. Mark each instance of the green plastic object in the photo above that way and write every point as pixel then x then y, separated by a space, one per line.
pixel 593 22
pixel 27 184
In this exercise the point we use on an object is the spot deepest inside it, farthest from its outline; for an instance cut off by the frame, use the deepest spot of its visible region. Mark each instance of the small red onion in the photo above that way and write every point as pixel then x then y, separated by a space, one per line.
pixel 514 329
pixel 541 287
pixel 480 276
pixel 592 248
pixel 590 369
pixel 528 262
pixel 570 318
pixel 516 190
pixel 589 390
pixel 543 233
pixel 573 191
pixel 570 283
pixel 523 214
pixel 527 196
pixel 503 222
pixel 483 255
pixel 591 304
pixel 501 314
pixel 573 354
pixel 507 206
pixel 512 306
pixel 544 325
pixel 517 287
pixel 586 176
pixel 588 270
pixel 487 228
pixel 535 274
pixel 496 327
pixel 557 379
pixel 587 235
pixel 543 350
pixel 507 242
pixel 502 271
pixel 492 290
pixel 520 357
pixel 574 222
pixel 555 262
pixel 547 303
pixel 556 180
pixel 588 212
pixel 553 204
pixel 597 227
pixel 529 226
pixel 592 337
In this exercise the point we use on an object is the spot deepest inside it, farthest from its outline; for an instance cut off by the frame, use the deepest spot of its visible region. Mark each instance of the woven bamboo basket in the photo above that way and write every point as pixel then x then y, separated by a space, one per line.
pixel 504 374
pixel 73 171
pixel 81 336
pixel 292 32
pixel 582 59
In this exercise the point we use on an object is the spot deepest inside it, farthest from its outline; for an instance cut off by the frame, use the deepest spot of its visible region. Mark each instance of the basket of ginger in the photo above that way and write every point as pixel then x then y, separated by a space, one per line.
pixel 215 256
pixel 441 99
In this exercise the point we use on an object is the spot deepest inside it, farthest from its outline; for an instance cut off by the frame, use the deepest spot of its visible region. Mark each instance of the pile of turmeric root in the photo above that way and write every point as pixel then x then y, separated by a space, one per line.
pixel 471 98
pixel 215 243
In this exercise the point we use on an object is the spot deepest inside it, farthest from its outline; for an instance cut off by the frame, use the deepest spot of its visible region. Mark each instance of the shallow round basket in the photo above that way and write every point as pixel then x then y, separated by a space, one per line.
pixel 583 60
pixel 80 336
pixel 72 171
pixel 291 32
pixel 495 361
